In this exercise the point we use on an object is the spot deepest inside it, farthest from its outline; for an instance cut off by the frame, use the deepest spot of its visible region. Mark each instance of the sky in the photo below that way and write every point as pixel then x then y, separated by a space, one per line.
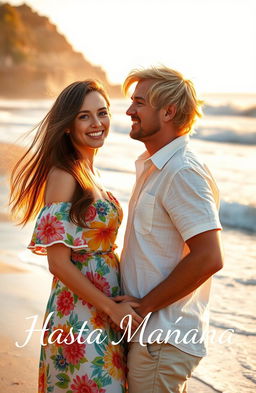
pixel 212 42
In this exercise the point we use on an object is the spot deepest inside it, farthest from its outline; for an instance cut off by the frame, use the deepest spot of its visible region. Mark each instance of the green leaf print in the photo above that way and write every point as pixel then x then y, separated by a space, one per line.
pixel 102 218
pixel 50 389
pixel 105 380
pixel 98 349
pixel 72 368
pixel 70 239
pixel 76 324
pixel 112 335
pixel 77 366
pixel 101 267
pixel 98 382
pixel 58 215
pixel 115 291
pixel 98 361
pixel 79 229
pixel 83 360
pixel 64 380
pixel 96 372
pixel 60 314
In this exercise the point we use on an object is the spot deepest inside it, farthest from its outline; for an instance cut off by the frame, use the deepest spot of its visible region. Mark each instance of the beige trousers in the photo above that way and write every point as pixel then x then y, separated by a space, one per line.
pixel 159 368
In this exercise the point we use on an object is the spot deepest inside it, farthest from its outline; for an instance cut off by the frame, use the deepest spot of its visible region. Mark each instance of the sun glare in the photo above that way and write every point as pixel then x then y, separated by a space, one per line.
pixel 210 42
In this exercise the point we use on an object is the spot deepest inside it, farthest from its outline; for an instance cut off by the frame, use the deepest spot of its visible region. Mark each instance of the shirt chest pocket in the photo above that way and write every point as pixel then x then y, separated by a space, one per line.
pixel 144 214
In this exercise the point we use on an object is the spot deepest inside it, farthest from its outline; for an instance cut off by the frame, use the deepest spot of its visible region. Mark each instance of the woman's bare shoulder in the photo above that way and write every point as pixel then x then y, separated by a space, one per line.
pixel 60 186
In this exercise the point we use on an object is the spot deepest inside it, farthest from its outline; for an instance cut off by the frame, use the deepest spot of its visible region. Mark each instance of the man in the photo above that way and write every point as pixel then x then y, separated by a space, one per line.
pixel 172 242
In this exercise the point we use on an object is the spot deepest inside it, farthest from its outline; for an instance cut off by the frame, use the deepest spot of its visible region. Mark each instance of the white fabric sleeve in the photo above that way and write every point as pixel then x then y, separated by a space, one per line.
pixel 191 203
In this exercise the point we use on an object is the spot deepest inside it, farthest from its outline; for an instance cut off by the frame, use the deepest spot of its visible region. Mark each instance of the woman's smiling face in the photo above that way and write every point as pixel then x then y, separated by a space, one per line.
pixel 91 124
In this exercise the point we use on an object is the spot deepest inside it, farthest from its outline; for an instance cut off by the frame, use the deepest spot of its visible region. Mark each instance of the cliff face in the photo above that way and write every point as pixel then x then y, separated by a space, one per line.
pixel 35 60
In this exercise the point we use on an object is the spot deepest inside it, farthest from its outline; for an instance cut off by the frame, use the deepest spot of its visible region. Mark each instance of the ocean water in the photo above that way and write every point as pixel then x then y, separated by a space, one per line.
pixel 226 140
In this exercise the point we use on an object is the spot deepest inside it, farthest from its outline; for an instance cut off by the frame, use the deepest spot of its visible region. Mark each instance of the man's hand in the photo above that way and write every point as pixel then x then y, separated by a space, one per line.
pixel 132 300
pixel 125 299
pixel 121 310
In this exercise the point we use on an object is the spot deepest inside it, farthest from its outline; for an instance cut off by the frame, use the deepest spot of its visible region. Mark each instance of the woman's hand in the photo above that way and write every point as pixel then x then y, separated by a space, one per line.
pixel 126 298
pixel 120 310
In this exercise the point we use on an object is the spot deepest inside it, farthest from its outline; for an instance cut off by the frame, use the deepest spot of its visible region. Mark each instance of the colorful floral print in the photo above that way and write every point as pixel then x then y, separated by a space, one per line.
pixel 74 352
pixel 50 229
pixel 65 303
pixel 90 213
pixel 113 361
pixel 103 209
pixel 100 282
pixel 77 366
pixel 102 235
pixel 85 385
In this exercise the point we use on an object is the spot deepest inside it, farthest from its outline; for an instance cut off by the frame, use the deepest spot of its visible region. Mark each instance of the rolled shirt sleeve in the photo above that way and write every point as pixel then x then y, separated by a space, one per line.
pixel 191 203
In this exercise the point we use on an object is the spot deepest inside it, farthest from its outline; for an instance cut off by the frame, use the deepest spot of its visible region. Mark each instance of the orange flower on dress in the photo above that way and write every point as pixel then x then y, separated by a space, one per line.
pixel 42 382
pixel 98 320
pixel 102 234
pixel 112 261
pixel 114 362
pixel 60 332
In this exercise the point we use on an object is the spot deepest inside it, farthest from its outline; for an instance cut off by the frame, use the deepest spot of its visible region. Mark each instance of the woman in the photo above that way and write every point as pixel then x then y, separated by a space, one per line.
pixel 76 228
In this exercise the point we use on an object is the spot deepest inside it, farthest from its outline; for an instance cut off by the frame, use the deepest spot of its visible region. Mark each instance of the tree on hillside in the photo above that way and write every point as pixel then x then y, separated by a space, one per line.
pixel 13 45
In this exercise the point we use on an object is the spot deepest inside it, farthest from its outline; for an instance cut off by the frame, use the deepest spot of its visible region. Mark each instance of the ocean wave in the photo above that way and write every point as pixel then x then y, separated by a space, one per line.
pixel 213 134
pixel 231 325
pixel 249 281
pixel 224 135
pixel 229 110
pixel 236 215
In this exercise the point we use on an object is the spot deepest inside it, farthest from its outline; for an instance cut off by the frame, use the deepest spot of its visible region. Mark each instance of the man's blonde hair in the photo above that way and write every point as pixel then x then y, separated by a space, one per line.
pixel 169 88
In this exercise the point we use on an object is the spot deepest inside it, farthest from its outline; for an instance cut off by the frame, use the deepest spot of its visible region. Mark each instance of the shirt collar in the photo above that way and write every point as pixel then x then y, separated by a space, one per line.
pixel 162 156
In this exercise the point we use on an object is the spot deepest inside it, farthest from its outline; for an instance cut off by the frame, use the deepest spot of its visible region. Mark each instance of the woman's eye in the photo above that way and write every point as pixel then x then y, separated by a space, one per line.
pixel 103 113
pixel 84 117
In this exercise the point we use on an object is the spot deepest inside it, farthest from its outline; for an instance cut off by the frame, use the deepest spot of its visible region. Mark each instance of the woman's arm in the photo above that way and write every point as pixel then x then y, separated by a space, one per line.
pixel 61 266
pixel 60 188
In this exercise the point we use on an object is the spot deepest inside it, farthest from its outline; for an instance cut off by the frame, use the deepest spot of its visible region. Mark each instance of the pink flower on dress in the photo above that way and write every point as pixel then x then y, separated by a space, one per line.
pixel 85 385
pixel 84 303
pixel 65 302
pixel 73 352
pixel 99 282
pixel 50 229
pixel 90 213
pixel 79 242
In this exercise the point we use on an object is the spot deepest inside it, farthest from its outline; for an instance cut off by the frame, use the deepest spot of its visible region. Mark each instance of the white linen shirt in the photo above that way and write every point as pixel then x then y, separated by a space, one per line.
pixel 175 198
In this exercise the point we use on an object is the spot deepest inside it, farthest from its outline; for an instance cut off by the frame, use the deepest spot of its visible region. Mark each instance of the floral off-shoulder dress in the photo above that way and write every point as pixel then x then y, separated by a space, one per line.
pixel 81 367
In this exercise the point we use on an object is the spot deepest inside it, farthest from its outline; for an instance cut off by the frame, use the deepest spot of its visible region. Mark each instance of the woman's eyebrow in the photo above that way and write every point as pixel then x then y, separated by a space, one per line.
pixel 86 111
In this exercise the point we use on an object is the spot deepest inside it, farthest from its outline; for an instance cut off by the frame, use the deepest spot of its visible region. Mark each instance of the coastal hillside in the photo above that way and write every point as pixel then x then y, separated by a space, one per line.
pixel 36 61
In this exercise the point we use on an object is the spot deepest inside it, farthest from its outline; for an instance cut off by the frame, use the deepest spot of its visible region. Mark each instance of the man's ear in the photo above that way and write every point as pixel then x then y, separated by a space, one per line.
pixel 169 112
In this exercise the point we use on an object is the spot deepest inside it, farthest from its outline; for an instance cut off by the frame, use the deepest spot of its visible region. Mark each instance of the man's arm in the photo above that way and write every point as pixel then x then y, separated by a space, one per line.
pixel 203 260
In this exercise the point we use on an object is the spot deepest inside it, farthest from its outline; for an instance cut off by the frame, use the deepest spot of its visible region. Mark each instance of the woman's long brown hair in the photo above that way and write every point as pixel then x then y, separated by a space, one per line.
pixel 50 148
